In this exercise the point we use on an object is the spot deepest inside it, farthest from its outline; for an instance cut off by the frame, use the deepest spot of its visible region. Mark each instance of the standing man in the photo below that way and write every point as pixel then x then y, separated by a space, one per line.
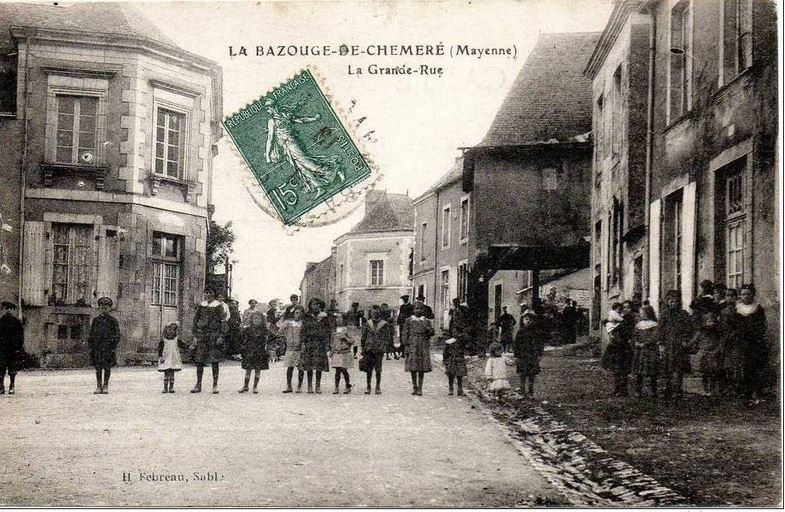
pixel 427 311
pixel 673 338
pixel 294 301
pixel 506 323
pixel 11 346
pixel 404 312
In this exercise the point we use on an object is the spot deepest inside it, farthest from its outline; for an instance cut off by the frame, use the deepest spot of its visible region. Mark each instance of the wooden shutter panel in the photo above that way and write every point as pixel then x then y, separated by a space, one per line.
pixel 655 218
pixel 108 261
pixel 35 282
pixel 688 227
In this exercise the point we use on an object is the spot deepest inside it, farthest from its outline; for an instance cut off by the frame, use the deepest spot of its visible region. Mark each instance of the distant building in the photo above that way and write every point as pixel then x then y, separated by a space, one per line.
pixel 685 173
pixel 108 130
pixel 318 281
pixel 371 261
pixel 529 178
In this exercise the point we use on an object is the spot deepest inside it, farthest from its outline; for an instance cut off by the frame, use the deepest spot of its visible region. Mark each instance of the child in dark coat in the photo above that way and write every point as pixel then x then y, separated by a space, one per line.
pixel 618 353
pixel 103 340
pixel 454 359
pixel 254 350
pixel 708 342
pixel 528 348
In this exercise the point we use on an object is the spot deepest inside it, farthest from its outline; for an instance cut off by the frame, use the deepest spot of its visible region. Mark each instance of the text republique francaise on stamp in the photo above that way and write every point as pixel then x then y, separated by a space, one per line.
pixel 297 148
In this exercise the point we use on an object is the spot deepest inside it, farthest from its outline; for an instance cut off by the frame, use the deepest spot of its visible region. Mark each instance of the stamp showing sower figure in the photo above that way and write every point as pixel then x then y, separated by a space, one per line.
pixel 299 150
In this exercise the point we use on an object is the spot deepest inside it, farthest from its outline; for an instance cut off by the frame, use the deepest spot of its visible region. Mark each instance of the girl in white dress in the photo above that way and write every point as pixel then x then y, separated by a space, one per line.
pixel 496 371
pixel 169 360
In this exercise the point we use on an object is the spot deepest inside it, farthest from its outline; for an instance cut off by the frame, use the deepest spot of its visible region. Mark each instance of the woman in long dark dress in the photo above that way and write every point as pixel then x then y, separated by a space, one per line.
pixel 752 331
pixel 315 336
pixel 416 335
pixel 208 342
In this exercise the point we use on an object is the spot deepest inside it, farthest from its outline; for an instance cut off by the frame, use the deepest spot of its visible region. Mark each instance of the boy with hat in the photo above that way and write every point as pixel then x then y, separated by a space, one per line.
pixel 103 340
pixel 11 343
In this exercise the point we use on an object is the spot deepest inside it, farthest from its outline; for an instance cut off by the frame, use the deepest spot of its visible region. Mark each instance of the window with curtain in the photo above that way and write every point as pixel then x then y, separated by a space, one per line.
pixel 72 263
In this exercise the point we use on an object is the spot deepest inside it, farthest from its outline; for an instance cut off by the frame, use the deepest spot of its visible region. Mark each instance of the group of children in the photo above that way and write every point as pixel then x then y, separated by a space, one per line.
pixel 726 334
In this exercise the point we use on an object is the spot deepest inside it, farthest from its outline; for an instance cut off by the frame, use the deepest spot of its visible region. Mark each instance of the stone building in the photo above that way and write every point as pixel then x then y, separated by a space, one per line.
pixel 440 261
pixel 371 261
pixel 110 139
pixel 693 88
pixel 318 281
pixel 529 178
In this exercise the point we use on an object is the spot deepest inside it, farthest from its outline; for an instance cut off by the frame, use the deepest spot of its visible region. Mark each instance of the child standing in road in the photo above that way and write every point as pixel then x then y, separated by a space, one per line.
pixel 169 360
pixel 341 354
pixel 528 348
pixel 708 342
pixel 496 371
pixel 291 333
pixel 103 340
pixel 254 350
pixel 454 361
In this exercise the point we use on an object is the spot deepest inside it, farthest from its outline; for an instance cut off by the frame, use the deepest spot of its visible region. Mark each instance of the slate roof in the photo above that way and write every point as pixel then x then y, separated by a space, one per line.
pixel 455 173
pixel 393 212
pixel 551 98
pixel 117 18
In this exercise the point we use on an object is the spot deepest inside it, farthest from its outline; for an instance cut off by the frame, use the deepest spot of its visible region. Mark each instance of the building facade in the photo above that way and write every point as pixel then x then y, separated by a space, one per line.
pixel 440 262
pixel 318 281
pixel 529 177
pixel 115 129
pixel 371 261
pixel 708 73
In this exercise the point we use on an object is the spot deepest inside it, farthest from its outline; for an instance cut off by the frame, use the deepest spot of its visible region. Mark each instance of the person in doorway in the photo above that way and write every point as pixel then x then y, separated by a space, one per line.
pixel 103 340
pixel 208 342
pixel 169 360
pixel 673 341
pixel 752 332
pixel 11 346
pixel 254 350
pixel 375 336
pixel 315 336
pixel 506 323
pixel 416 335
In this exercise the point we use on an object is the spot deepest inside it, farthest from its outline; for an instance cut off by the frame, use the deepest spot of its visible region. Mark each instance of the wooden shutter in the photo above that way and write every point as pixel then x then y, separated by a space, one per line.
pixel 107 268
pixel 655 217
pixel 688 227
pixel 35 278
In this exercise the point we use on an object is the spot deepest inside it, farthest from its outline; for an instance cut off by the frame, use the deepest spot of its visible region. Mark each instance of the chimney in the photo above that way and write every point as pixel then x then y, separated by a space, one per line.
pixel 372 198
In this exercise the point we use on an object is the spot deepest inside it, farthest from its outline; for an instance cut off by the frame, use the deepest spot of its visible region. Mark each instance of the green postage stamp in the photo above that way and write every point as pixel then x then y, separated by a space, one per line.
pixel 297 148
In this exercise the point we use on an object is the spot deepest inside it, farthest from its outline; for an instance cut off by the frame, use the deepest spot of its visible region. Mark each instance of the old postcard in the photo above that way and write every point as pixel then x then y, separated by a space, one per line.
pixel 391 254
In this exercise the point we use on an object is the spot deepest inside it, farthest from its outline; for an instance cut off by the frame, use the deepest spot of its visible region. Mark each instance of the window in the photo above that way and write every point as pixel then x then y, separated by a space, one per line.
pixel 677 245
pixel 616 130
pixel 734 220
pixel 169 143
pixel 737 38
pixel 377 272
pixel 446 227
pixel 423 229
pixel 341 283
pixel 680 52
pixel 463 281
pixel 464 220
pixel 445 289
pixel 421 291
pixel 672 232
pixel 72 263
pixel 8 63
pixel 166 269
pixel 76 129
pixel 600 129
pixel 598 243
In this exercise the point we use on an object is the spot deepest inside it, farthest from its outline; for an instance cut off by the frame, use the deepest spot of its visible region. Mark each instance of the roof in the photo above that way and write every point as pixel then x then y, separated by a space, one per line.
pixel 621 12
pixel 455 173
pixel 116 18
pixel 392 212
pixel 550 100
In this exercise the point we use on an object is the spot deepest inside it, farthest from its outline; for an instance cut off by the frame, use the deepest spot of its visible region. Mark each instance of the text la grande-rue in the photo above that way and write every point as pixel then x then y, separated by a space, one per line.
pixel 403 69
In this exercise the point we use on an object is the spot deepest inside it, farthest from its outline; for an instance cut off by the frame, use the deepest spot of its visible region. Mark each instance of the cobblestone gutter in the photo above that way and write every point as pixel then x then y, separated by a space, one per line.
pixel 585 473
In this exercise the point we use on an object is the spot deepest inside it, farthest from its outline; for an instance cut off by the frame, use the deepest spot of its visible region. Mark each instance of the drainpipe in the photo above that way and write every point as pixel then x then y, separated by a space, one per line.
pixel 649 144
pixel 23 175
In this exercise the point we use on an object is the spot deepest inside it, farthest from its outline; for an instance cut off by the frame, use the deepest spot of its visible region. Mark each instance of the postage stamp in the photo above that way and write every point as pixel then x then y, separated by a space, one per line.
pixel 298 149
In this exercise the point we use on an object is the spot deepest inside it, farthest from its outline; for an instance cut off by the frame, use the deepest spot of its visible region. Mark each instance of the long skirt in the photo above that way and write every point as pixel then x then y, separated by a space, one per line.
pixel 418 356
pixel 208 351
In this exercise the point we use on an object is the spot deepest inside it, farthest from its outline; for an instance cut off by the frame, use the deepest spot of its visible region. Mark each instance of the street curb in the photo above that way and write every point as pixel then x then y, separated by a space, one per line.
pixel 576 466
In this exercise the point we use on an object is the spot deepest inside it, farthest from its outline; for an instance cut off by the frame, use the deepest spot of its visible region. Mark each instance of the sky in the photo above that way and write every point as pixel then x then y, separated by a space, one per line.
pixel 417 122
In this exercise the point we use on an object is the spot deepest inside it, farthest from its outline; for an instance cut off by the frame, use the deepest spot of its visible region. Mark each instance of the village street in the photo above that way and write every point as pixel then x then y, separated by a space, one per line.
pixel 62 445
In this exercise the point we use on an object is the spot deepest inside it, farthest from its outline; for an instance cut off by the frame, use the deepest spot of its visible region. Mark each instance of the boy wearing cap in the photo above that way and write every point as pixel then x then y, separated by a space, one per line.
pixel 103 340
pixel 11 343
